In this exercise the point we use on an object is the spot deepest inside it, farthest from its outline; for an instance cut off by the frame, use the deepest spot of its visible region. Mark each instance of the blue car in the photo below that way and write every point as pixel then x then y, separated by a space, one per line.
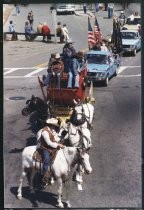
pixel 131 41
pixel 101 66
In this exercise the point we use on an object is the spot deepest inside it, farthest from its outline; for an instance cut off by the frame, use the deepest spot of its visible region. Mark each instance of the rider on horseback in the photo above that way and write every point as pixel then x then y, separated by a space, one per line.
pixel 48 139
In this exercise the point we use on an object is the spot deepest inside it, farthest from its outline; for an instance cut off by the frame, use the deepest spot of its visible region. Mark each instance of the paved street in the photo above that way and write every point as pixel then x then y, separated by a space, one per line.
pixel 116 137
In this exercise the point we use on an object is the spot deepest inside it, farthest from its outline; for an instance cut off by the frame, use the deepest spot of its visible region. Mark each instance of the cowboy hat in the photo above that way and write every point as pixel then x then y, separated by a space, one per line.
pixel 52 121
pixel 57 55
pixel 69 41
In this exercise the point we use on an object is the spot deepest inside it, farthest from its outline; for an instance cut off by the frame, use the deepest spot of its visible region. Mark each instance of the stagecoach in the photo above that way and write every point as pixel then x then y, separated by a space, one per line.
pixel 62 100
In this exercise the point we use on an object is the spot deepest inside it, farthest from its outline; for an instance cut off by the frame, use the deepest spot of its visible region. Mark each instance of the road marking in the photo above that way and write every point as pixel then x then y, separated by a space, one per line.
pixel 137 75
pixel 34 72
pixel 121 69
pixel 36 69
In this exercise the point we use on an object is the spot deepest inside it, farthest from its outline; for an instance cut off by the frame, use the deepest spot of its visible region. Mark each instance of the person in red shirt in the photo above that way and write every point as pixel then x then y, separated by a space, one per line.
pixel 46 32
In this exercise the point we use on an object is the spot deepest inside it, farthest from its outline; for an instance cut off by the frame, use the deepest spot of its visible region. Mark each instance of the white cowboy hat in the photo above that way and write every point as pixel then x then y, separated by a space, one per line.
pixel 57 55
pixel 52 121
pixel 69 41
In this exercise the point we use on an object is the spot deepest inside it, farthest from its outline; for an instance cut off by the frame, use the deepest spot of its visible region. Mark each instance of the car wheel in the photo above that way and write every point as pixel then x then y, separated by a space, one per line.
pixel 134 52
pixel 106 82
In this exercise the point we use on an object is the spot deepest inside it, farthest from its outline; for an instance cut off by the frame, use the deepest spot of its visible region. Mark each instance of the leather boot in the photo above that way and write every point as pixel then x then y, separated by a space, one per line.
pixel 45 180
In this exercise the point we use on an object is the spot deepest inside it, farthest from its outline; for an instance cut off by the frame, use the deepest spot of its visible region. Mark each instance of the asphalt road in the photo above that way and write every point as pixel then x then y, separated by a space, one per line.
pixel 116 153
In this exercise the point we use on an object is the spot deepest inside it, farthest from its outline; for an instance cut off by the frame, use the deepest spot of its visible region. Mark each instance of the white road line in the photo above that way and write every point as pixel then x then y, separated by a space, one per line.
pixel 121 69
pixel 137 75
pixel 11 70
pixel 34 72
pixel 21 68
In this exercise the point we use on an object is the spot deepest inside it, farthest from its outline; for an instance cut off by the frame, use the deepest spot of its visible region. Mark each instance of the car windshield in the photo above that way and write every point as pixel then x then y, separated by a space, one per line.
pixel 128 35
pixel 97 59
pixel 134 21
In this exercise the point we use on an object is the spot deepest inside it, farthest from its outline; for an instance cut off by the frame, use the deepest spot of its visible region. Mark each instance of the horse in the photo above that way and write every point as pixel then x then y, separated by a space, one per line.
pixel 82 114
pixel 64 162
pixel 75 136
pixel 38 109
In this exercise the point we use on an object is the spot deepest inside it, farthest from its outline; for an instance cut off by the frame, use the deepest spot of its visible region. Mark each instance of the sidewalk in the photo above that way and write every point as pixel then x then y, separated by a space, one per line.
pixel 6 12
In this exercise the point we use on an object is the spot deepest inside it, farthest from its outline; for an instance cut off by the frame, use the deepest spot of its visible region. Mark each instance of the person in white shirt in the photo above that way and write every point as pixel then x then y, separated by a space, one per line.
pixel 65 32
pixel 48 140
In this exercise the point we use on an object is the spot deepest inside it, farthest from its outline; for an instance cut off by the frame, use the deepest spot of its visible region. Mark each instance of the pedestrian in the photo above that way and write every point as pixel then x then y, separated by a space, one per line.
pixel 65 33
pixel 17 9
pixel 59 32
pixel 106 6
pixel 103 46
pixel 97 7
pixel 110 10
pixel 12 30
pixel 71 64
pixel 122 18
pixel 48 140
pixel 85 8
pixel 46 32
pixel 39 28
pixel 30 18
pixel 29 32
pixel 139 29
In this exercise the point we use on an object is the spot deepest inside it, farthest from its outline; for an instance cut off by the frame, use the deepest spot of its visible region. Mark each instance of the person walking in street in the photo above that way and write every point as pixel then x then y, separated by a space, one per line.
pixel 12 30
pixel 46 32
pixel 85 8
pixel 110 9
pixel 97 7
pixel 122 18
pixel 48 140
pixel 17 7
pixel 65 33
pixel 59 32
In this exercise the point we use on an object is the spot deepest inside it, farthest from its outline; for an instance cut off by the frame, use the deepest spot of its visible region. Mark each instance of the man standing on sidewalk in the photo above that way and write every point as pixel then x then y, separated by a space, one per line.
pixel 110 10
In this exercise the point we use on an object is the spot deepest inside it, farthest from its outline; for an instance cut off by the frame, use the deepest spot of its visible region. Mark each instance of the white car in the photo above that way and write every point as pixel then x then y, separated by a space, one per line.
pixel 65 8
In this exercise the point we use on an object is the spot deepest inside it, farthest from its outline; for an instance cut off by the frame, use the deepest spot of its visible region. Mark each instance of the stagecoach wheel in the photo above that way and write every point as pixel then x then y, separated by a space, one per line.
pixel 106 82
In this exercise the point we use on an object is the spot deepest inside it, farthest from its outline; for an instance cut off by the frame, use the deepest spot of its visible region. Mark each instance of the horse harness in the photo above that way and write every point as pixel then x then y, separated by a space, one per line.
pixel 85 118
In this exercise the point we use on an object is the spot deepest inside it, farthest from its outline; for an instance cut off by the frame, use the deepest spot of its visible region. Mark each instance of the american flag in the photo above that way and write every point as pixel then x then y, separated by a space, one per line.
pixel 97 32
pixel 91 37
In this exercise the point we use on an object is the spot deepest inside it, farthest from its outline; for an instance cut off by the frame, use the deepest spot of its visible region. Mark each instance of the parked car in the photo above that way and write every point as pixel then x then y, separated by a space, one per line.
pixel 65 8
pixel 132 22
pixel 101 66
pixel 131 41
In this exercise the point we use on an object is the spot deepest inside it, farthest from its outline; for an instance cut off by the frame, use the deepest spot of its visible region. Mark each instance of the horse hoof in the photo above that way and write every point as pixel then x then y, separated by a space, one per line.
pixel 19 197
pixel 60 205
pixel 80 187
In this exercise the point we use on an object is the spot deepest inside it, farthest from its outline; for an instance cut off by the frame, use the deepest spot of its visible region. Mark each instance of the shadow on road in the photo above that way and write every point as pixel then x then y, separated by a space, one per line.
pixel 37 197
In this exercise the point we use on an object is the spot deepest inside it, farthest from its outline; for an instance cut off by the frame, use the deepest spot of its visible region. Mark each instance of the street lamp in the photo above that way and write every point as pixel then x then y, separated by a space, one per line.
pixel 54 21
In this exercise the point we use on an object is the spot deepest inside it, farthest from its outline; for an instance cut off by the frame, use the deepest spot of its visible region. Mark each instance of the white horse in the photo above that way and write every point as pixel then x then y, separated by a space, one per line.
pixel 76 136
pixel 83 114
pixel 66 159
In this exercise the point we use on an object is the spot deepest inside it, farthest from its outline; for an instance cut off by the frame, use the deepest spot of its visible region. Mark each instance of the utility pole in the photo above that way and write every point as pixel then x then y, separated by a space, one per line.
pixel 54 21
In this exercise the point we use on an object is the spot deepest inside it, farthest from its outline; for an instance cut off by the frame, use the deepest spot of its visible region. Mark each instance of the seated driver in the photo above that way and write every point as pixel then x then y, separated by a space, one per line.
pixel 55 70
